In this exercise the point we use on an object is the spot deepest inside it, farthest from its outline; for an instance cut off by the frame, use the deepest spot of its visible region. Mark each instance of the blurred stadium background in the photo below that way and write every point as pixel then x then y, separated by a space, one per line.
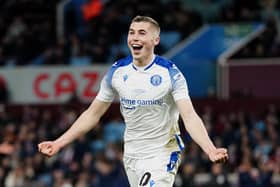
pixel 53 54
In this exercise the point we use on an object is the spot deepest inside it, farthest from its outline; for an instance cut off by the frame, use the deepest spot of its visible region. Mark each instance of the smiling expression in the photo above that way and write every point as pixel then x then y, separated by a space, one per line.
pixel 142 39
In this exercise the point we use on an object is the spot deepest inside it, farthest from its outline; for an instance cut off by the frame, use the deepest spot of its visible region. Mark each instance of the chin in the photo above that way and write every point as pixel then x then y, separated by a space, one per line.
pixel 137 57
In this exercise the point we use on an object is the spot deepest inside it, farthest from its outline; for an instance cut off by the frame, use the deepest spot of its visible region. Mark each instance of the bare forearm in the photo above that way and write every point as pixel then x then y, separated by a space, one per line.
pixel 198 132
pixel 82 125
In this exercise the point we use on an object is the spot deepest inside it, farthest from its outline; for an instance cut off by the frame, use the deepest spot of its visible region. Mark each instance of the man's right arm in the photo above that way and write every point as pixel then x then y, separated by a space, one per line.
pixel 86 121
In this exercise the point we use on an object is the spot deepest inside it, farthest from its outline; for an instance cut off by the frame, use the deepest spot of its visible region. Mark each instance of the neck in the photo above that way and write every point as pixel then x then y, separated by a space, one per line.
pixel 144 61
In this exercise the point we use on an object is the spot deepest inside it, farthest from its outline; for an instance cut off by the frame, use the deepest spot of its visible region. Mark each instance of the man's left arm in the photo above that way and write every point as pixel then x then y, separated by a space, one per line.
pixel 198 132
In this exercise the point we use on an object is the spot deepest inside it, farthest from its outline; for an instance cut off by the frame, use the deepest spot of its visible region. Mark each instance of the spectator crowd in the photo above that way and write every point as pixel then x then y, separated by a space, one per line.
pixel 28 28
pixel 95 160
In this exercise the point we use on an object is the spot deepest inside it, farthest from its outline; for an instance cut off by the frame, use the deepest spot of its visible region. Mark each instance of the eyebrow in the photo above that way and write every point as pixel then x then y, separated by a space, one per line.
pixel 141 30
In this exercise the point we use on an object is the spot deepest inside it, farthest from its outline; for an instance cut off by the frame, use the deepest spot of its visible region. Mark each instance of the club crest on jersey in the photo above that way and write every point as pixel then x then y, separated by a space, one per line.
pixel 156 80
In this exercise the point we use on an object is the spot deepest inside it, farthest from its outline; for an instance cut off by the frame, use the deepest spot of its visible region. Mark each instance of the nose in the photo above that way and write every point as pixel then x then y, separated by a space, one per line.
pixel 135 37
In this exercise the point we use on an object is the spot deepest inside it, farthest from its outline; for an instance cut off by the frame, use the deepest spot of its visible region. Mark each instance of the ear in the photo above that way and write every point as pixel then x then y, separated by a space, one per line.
pixel 157 40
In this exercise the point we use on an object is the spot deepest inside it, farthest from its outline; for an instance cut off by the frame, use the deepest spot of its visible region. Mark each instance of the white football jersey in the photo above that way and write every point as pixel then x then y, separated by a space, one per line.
pixel 147 101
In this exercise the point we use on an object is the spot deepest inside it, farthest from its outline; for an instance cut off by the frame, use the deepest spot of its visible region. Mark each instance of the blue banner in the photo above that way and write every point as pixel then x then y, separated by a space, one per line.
pixel 197 58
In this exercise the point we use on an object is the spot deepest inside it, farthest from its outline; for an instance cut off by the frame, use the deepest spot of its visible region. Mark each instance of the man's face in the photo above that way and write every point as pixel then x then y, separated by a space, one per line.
pixel 142 39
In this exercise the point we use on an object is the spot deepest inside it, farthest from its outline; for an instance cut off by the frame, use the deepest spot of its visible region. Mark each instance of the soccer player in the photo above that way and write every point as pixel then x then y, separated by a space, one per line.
pixel 152 93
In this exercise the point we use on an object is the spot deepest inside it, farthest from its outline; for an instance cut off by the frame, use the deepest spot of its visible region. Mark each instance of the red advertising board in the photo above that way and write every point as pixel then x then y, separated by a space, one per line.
pixel 52 84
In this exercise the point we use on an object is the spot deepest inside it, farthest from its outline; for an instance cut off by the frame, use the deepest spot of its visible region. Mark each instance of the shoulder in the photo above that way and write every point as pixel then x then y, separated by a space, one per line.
pixel 122 62
pixel 174 73
pixel 164 62
pixel 119 63
pixel 168 64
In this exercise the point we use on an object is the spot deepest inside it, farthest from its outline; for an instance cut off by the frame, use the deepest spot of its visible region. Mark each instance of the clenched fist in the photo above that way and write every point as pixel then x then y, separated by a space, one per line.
pixel 218 155
pixel 48 148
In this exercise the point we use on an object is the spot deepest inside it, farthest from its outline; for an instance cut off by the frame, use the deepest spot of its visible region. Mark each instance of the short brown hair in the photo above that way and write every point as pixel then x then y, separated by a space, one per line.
pixel 146 19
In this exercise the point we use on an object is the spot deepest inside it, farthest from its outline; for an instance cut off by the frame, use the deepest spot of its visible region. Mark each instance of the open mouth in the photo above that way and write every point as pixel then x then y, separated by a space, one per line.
pixel 136 48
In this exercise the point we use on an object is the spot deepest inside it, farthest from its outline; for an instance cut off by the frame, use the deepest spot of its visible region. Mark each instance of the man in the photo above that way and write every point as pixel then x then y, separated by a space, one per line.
pixel 152 93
